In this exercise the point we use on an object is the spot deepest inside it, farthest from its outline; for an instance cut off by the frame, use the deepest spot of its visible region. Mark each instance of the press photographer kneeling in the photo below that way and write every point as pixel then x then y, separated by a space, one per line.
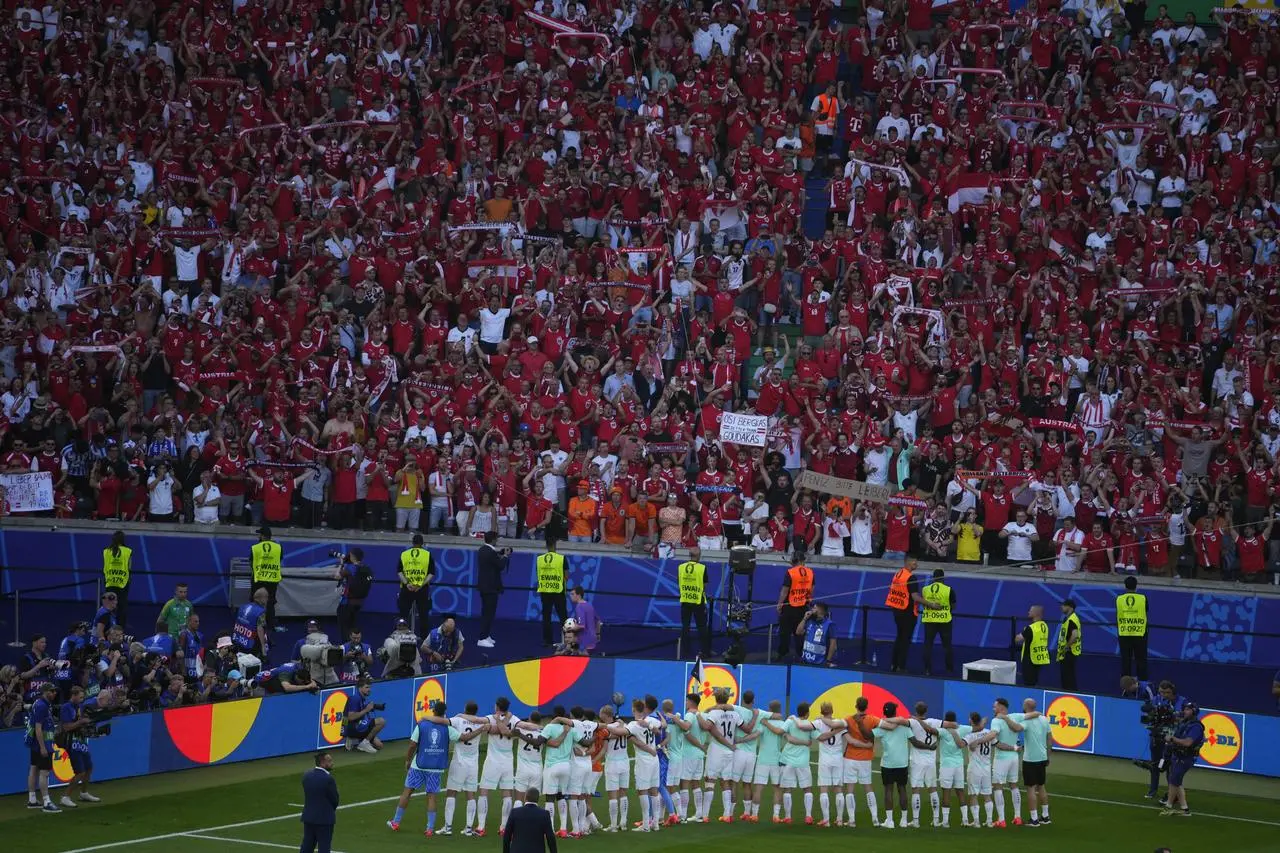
pixel 360 727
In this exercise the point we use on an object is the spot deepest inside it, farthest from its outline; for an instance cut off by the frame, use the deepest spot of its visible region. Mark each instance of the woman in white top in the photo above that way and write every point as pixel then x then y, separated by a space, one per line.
pixel 834 531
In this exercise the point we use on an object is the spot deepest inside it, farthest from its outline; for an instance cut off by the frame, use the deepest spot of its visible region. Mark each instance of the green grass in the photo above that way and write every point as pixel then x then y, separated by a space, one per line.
pixel 1096 805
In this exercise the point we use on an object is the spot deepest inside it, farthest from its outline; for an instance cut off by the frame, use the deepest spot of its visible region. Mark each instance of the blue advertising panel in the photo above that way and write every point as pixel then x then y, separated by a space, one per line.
pixel 1071 717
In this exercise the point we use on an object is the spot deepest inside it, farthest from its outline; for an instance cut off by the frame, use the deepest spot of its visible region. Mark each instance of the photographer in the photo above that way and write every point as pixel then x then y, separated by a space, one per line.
pixel 73 652
pixel 113 661
pixel 1183 747
pixel 174 693
pixel 286 678
pixel 389 654
pixel 443 646
pixel 570 644
pixel 74 730
pixel 40 735
pixel 149 678
pixel 819 646
pixel 360 727
pixel 1161 709
pixel 37 667
pixel 357 657
pixel 355 579
pixel 11 696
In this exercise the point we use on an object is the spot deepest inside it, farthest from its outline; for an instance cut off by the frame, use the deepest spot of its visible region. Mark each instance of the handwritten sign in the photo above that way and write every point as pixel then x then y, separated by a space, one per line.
pixel 28 492
pixel 744 429
pixel 855 489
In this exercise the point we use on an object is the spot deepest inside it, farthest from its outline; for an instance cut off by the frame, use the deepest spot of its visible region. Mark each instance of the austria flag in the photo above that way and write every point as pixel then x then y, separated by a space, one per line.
pixel 968 188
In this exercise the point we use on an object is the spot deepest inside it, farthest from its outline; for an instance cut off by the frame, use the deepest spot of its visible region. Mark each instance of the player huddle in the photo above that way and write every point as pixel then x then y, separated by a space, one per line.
pixel 676 760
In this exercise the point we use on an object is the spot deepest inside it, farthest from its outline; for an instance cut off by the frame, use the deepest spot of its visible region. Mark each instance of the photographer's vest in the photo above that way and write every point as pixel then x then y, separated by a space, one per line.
pixel 1037 651
pixel 1131 614
pixel 1077 642
pixel 551 574
pixel 244 634
pixel 415 565
pixel 116 567
pixel 899 597
pixel 939 594
pixel 433 746
pixel 800 586
pixel 266 562
pixel 693 580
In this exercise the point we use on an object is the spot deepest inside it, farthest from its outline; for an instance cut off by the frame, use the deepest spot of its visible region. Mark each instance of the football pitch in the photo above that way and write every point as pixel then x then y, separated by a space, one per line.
pixel 1096 804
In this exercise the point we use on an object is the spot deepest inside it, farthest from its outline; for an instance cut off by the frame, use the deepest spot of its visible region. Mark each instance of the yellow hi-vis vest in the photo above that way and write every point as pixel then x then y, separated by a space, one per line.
pixel 266 562
pixel 1131 614
pixel 937 593
pixel 415 565
pixel 1077 642
pixel 115 568
pixel 1037 652
pixel 551 574
pixel 693 580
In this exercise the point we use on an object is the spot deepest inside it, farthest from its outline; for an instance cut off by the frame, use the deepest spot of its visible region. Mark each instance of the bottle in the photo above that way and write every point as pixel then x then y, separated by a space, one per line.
pixel 875 659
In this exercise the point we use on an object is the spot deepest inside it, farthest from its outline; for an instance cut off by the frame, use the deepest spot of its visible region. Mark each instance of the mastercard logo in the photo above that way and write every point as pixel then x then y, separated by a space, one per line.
pixel 713 678
pixel 332 714
pixel 844 699
pixel 428 692
pixel 62 765
pixel 537 682
pixel 1222 740
pixel 208 733
pixel 1071 721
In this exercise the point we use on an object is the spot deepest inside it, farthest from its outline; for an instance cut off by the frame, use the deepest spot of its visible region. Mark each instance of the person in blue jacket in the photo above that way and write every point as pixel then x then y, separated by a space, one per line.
pixel 427 759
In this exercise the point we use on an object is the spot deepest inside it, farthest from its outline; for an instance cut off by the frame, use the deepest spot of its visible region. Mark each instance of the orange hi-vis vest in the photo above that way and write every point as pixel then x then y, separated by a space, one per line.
pixel 828 110
pixel 801 589
pixel 899 597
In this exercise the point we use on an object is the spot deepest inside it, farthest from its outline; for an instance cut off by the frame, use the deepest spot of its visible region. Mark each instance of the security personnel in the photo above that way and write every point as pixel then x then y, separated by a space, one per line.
pixel 793 604
pixel 415 576
pixel 1034 640
pixel 265 560
pixel 552 574
pixel 1070 644
pixel 1131 626
pixel 117 566
pixel 939 602
pixel 691 577
pixel 904 601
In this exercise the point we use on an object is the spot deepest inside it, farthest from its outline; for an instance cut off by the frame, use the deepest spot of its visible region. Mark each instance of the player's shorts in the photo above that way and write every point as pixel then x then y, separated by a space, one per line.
pixel 463 776
pixel 694 767
pixel 857 771
pixel 617 776
pixel 555 778
pixel 646 775
pixel 893 775
pixel 528 776
pixel 797 777
pixel 979 783
pixel 719 764
pixel 924 775
pixel 41 762
pixel 951 776
pixel 81 760
pixel 675 773
pixel 830 771
pixel 744 765
pixel 497 774
pixel 593 781
pixel 422 780
pixel 579 776
pixel 768 774
pixel 1005 772
pixel 1034 772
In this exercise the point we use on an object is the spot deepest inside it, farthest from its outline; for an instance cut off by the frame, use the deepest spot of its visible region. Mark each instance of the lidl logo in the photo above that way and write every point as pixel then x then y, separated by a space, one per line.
pixel 1222 740
pixel 1071 722
pixel 62 765
pixel 429 690
pixel 333 711
pixel 714 677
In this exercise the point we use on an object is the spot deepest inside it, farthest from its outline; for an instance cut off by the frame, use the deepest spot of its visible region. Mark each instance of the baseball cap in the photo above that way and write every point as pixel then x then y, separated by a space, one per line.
pixel 234 675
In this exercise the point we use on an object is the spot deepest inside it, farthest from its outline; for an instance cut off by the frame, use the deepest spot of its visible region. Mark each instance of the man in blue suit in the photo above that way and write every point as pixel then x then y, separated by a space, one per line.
pixel 320 806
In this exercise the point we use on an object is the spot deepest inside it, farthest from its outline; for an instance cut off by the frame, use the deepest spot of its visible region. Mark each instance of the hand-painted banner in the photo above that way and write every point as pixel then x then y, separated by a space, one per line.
pixel 742 429
pixel 855 489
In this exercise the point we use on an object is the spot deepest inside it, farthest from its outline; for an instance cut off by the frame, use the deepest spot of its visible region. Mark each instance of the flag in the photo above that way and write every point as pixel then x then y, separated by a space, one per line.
pixel 698 676
pixel 969 188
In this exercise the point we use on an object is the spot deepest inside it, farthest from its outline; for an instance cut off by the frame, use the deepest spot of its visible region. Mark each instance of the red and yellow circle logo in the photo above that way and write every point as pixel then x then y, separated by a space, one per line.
pixel 332 714
pixel 431 690
pixel 1071 721
pixel 844 700
pixel 1222 740
pixel 714 677
pixel 62 765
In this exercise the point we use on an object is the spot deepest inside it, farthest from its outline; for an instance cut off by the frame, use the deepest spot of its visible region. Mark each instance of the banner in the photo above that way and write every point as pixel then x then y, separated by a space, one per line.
pixel 744 429
pixel 28 492
pixel 855 489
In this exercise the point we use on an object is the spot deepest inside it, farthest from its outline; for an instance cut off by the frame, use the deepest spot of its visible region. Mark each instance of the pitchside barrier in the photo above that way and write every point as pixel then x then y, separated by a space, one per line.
pixel 248 729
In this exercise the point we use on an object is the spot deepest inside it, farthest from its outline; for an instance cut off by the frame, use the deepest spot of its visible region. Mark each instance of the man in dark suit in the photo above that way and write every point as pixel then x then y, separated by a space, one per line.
pixel 491 562
pixel 320 806
pixel 527 826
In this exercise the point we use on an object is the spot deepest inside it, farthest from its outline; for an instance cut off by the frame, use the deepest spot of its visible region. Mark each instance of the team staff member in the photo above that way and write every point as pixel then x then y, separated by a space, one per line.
pixel 1070 645
pixel 40 734
pixel 552 574
pixel 1034 640
pixel 940 601
pixel 1131 626
pixel 1183 746
pixel 320 805
pixel 691 577
pixel 793 603
pixel 265 560
pixel 904 600
pixel 117 568
pixel 415 577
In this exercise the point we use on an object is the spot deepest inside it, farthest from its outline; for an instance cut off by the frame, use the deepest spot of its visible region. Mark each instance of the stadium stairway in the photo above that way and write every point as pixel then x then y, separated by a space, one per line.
pixel 814 218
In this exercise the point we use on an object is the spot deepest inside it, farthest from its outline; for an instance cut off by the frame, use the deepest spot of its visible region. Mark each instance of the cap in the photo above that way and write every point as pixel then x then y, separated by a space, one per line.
pixel 234 675
pixel 224 642
pixel 402 623
pixel 264 531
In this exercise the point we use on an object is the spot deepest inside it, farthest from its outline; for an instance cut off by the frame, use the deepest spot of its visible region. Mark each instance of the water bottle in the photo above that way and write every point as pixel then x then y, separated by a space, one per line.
pixel 875 659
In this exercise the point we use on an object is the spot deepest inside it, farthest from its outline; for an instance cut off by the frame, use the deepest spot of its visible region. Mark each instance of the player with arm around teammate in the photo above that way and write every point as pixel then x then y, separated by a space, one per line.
pixel 617 767
pixel 528 749
pixel 676 745
pixel 894 734
pixel 858 751
pixel 980 744
pixel 644 736
pixel 426 760
pixel 768 761
pixel 1004 770
pixel 798 734
pixel 464 769
pixel 1035 728
pixel 584 736
pixel 721 722
pixel 951 775
pixel 923 764
pixel 497 774
pixel 830 763
pixel 693 762
pixel 745 745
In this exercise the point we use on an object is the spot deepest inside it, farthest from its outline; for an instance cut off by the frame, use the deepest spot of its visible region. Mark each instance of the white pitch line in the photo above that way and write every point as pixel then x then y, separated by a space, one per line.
pixel 203 837
pixel 1194 813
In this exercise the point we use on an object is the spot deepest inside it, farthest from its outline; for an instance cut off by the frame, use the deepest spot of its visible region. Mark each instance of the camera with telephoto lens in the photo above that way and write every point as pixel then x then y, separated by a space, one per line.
pixel 379 706
pixel 337 554
pixel 1160 721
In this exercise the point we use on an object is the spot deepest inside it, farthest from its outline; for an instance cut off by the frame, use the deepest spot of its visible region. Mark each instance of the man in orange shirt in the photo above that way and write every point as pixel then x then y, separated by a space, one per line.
pixel 857 761
pixel 583 512
pixel 614 520
pixel 642 522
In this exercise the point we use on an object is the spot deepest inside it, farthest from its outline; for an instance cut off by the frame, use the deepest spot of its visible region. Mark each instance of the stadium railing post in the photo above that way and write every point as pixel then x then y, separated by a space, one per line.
pixel 17 631
pixel 863 638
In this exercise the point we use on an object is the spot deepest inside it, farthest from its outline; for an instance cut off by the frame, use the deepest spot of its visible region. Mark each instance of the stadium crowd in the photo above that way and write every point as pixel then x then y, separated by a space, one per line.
pixel 483 266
